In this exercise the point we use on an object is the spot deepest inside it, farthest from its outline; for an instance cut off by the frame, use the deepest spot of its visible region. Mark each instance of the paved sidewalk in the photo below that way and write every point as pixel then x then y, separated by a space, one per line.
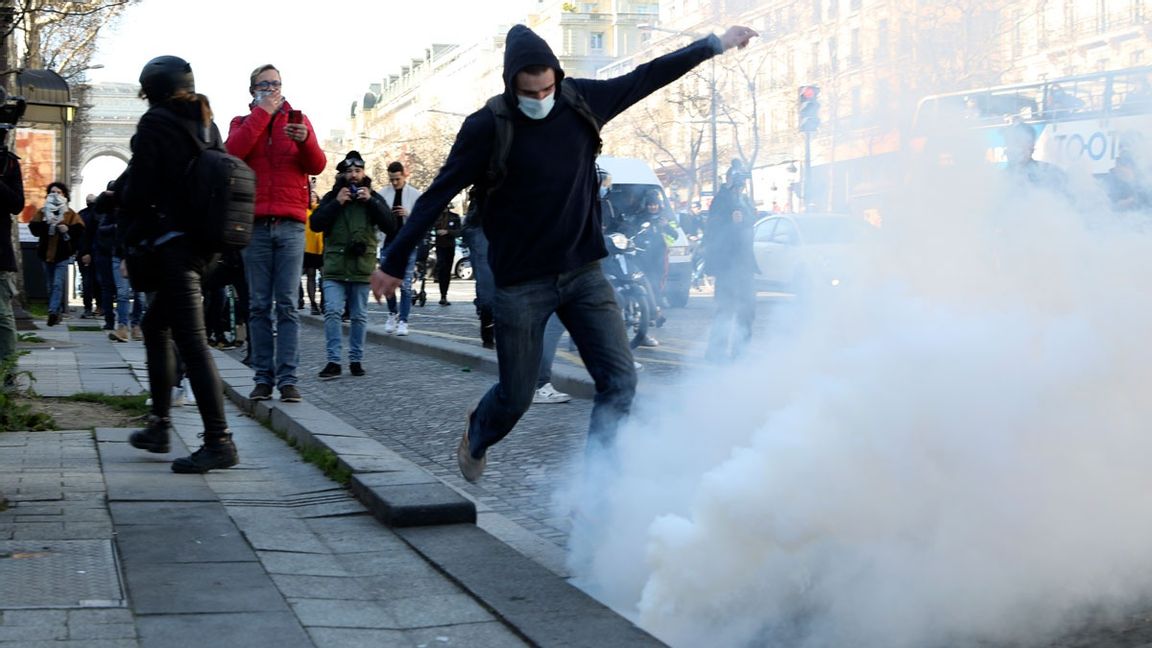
pixel 103 546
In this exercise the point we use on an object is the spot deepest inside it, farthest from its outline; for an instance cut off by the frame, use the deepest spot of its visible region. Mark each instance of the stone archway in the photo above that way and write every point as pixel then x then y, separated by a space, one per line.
pixel 112 114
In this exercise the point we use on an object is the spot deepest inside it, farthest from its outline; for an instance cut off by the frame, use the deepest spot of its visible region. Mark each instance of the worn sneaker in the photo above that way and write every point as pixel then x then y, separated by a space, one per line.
pixel 444 301
pixel 402 328
pixel 263 391
pixel 290 394
pixel 216 453
pixel 356 369
pixel 647 341
pixel 119 335
pixel 155 437
pixel 548 394
pixel 87 314
pixel 470 466
pixel 390 324
pixel 330 371
pixel 137 333
pixel 53 319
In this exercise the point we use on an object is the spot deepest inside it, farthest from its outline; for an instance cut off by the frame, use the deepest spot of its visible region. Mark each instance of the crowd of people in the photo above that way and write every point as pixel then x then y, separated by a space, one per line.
pixel 146 271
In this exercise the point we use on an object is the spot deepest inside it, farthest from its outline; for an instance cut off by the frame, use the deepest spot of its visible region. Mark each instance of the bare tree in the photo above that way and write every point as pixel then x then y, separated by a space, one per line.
pixel 61 34
pixel 669 130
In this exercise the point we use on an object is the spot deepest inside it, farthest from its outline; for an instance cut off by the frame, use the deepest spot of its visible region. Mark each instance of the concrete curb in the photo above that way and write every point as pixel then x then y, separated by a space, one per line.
pixel 398 492
pixel 573 381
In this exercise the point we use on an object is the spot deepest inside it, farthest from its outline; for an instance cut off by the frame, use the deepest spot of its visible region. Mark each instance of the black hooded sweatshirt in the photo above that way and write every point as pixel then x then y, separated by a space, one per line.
pixel 545 217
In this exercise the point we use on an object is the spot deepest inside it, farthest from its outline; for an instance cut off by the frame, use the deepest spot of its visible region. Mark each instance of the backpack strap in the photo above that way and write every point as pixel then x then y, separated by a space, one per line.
pixel 502 142
pixel 580 105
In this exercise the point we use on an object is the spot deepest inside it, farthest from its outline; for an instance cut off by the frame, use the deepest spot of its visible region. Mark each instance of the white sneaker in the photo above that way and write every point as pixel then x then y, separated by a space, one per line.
pixel 402 328
pixel 390 325
pixel 189 397
pixel 637 366
pixel 178 398
pixel 548 394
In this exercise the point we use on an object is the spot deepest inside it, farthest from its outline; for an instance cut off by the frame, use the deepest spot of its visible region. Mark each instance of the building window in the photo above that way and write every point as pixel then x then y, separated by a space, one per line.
pixel 597 41
pixel 817 11
pixel 853 5
pixel 814 64
pixel 882 40
pixel 833 55
pixel 854 49
pixel 833 9
pixel 855 102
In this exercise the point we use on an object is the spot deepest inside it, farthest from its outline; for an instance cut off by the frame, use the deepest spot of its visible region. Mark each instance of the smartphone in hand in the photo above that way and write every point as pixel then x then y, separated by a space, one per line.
pixel 295 117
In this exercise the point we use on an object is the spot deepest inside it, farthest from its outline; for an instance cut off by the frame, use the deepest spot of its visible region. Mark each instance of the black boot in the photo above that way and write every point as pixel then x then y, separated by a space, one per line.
pixel 217 452
pixel 155 437
pixel 487 330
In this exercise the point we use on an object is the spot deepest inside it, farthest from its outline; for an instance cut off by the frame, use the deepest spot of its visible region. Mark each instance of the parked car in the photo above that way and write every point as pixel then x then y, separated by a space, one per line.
pixel 801 252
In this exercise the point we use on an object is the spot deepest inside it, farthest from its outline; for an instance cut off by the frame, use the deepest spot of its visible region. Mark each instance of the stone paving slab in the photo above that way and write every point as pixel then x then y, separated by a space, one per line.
pixel 249 629
pixel 544 609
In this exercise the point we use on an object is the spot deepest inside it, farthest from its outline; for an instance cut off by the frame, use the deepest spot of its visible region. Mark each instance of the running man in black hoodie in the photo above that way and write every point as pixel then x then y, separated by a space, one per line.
pixel 543 226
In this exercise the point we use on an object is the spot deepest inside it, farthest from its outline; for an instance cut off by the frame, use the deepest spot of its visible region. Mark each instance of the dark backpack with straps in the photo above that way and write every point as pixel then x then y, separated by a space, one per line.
pixel 502 142
pixel 220 191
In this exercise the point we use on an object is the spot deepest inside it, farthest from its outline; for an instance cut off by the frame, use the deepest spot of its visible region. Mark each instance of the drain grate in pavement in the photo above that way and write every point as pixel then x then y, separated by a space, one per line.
pixel 59 574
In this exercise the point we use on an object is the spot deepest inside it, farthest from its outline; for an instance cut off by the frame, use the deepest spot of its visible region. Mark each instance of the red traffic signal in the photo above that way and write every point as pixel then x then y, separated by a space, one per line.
pixel 809 108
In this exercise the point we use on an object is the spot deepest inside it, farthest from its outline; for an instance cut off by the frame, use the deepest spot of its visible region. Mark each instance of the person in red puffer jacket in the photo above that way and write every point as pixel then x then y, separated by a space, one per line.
pixel 279 144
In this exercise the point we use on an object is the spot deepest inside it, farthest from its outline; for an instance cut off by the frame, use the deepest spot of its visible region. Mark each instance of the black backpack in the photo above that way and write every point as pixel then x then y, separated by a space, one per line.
pixel 498 163
pixel 220 191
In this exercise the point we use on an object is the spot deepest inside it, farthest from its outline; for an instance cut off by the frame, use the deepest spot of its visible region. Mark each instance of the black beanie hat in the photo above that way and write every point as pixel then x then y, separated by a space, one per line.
pixel 353 158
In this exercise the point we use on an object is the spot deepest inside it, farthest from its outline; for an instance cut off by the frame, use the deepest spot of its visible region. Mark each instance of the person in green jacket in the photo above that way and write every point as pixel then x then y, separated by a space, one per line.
pixel 350 217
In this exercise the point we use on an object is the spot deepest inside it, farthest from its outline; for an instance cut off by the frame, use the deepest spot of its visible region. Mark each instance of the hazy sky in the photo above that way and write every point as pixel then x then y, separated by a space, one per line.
pixel 327 56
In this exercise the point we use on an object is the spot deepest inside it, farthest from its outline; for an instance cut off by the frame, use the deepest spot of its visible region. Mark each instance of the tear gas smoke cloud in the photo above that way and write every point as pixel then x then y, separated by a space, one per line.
pixel 952 451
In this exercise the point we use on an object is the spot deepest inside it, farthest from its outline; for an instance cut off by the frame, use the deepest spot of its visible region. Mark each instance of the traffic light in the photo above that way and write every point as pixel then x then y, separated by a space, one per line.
pixel 809 108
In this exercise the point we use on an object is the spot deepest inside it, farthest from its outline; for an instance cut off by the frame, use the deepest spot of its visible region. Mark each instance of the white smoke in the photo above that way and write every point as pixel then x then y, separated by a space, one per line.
pixel 954 451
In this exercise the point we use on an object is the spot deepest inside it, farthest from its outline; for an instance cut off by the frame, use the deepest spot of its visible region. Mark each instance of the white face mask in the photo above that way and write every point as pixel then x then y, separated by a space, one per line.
pixel 537 108
pixel 56 201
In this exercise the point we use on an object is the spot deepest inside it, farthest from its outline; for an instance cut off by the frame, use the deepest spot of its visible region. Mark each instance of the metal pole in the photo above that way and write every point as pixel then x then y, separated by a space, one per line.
pixel 715 145
pixel 806 181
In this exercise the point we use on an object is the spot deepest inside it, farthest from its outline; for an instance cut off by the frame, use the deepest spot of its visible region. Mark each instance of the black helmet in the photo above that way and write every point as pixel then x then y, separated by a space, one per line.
pixel 164 75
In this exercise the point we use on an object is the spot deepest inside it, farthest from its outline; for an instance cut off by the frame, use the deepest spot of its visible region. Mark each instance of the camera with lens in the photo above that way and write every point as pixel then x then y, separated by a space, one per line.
pixel 356 248
pixel 11 110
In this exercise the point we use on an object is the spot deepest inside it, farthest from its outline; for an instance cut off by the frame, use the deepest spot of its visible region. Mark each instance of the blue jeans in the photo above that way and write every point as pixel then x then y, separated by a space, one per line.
pixel 55 276
pixel 335 292
pixel 129 304
pixel 272 263
pixel 552 332
pixel 586 304
pixel 477 244
pixel 405 289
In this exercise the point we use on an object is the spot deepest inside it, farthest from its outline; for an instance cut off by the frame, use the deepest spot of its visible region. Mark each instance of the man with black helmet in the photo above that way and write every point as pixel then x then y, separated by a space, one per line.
pixel 281 147
pixel 542 220
pixel 152 201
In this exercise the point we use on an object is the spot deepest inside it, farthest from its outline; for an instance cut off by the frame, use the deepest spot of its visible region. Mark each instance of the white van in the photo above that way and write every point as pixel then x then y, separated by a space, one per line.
pixel 632 178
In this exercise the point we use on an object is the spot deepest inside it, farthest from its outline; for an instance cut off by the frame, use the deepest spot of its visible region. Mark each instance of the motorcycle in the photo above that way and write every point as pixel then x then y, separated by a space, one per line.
pixel 633 291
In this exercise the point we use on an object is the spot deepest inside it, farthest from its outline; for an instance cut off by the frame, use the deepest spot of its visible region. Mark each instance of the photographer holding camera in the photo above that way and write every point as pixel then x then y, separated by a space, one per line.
pixel 349 216
pixel 11 203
